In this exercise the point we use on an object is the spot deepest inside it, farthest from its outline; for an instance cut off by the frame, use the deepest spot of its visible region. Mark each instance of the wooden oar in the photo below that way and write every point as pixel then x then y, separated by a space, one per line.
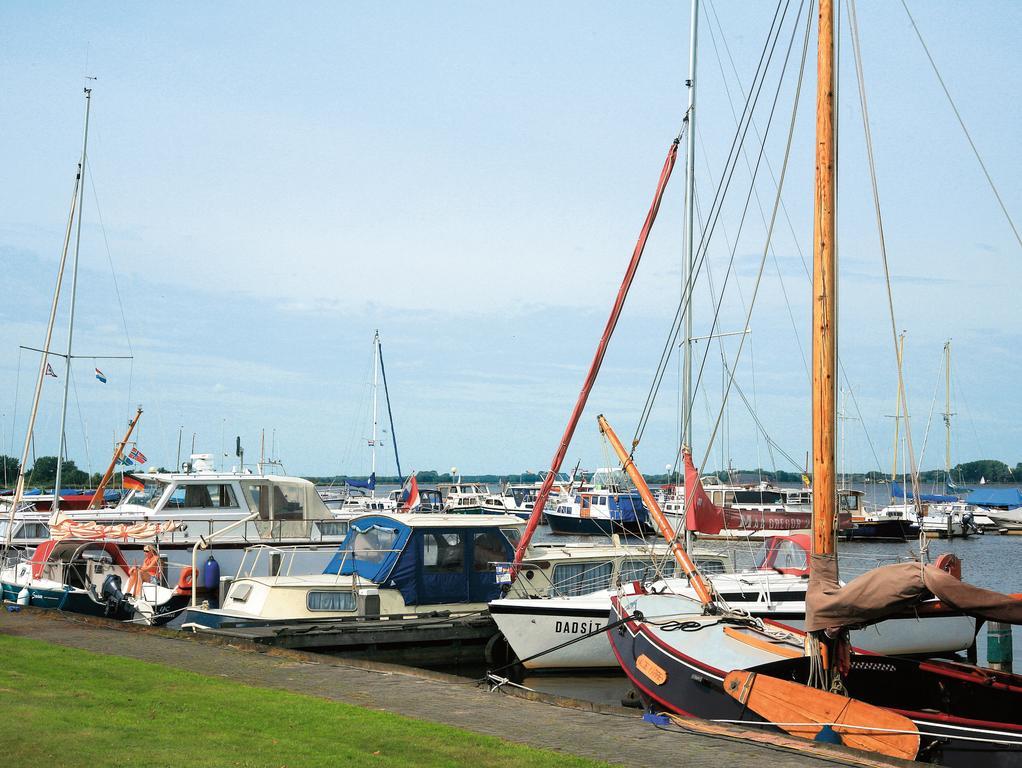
pixel 793 706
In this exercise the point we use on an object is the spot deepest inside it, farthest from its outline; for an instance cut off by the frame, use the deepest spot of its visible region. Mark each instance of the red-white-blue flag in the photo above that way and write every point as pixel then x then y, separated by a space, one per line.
pixel 101 376
pixel 411 495
pixel 136 455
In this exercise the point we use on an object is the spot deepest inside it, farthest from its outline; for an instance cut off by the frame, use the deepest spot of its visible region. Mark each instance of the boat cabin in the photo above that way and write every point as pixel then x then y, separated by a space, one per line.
pixel 429 559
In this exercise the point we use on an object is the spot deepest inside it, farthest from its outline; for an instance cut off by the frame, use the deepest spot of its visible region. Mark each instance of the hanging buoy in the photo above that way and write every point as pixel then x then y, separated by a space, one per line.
pixel 24 597
pixel 211 573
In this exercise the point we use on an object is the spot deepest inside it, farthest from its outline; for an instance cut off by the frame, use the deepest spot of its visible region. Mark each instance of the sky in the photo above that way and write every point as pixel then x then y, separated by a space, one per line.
pixel 269 184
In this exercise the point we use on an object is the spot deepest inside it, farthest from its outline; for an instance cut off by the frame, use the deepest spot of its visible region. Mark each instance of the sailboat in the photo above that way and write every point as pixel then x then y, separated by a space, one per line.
pixel 714 663
pixel 348 503
pixel 74 569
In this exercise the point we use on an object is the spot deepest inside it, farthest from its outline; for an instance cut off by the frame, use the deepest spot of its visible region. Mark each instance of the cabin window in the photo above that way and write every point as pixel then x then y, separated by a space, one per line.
pixel 337 528
pixel 330 601
pixel 850 502
pixel 488 550
pixel 708 566
pixel 288 502
pixel 573 579
pixel 150 495
pixel 644 570
pixel 32 531
pixel 374 544
pixel 513 535
pixel 258 499
pixel 212 496
pixel 241 592
pixel 443 552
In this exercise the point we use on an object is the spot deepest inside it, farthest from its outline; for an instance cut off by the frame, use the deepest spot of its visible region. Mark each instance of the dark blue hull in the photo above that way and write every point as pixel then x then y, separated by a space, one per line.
pixel 906 686
pixel 591 526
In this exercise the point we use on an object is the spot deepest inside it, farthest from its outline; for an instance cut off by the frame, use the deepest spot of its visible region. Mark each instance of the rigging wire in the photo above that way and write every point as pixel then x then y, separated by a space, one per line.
pixel 853 24
pixel 780 187
pixel 716 206
pixel 791 229
pixel 961 122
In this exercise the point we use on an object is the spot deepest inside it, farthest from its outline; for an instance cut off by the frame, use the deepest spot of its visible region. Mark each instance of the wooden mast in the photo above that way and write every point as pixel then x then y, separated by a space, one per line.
pixel 681 556
pixel 97 497
pixel 824 294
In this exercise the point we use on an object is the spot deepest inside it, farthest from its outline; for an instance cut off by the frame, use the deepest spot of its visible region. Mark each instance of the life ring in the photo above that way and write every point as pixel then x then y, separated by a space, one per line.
pixel 951 563
pixel 184 583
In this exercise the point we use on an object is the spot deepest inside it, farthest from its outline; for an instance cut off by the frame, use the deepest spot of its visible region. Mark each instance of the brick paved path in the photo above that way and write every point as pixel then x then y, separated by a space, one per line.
pixel 611 734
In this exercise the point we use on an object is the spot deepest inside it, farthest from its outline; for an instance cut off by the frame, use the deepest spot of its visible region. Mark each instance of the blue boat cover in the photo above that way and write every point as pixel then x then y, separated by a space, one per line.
pixel 370 549
pixel 900 492
pixel 1008 498
pixel 370 483
pixel 461 566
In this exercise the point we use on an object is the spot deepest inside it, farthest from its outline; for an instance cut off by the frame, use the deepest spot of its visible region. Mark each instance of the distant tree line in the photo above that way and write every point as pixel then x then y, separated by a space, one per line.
pixel 43 473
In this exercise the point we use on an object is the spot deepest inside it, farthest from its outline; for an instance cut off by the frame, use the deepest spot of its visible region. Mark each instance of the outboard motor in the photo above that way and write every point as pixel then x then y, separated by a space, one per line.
pixel 112 594
pixel 969 523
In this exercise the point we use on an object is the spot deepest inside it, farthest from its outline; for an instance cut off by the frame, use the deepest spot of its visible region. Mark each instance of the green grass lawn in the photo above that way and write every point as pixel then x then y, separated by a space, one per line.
pixel 63 706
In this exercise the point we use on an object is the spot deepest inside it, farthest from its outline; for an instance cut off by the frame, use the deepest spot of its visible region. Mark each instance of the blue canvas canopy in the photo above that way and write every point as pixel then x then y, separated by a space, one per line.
pixel 898 491
pixel 370 549
pixel 429 564
pixel 370 483
pixel 1005 498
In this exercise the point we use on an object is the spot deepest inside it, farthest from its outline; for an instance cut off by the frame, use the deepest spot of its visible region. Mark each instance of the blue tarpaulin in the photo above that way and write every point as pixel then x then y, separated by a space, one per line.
pixel 1006 498
pixel 900 492
pixel 370 483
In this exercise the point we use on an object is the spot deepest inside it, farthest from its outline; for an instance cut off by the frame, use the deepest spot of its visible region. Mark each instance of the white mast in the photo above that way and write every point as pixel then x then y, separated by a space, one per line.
pixel 947 412
pixel 376 372
pixel 689 260
pixel 71 315
pixel 19 488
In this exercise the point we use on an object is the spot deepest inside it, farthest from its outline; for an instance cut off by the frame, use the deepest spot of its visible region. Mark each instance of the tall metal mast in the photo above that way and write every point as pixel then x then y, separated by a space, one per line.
pixel 947 410
pixel 71 315
pixel 376 373
pixel 689 260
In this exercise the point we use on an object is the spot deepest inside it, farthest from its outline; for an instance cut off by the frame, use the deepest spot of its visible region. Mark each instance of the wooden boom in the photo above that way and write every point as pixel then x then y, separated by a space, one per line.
pixel 97 497
pixel 665 528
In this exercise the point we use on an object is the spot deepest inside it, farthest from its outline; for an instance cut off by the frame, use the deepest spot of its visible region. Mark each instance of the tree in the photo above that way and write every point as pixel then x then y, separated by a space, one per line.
pixel 9 469
pixel 44 473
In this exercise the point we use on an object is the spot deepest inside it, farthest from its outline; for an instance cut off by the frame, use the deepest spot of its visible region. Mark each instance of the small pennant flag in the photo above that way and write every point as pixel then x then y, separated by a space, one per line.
pixel 125 461
pixel 132 483
pixel 100 375
pixel 136 455
pixel 49 371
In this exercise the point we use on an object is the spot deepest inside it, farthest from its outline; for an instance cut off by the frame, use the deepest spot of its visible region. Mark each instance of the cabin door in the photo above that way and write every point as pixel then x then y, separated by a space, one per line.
pixel 488 549
pixel 443 574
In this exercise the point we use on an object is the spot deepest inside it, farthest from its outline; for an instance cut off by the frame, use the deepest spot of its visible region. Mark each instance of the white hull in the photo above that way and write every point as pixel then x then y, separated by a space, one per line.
pixel 534 626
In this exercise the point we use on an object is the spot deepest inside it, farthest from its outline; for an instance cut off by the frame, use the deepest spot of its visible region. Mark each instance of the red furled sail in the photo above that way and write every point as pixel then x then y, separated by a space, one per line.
pixel 601 350
pixel 701 514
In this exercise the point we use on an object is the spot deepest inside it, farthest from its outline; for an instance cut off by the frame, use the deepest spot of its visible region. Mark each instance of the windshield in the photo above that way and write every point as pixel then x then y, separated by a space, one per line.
pixel 150 495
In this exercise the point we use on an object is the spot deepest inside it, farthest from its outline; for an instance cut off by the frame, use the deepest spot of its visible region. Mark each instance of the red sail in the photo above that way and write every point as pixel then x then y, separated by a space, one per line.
pixel 701 515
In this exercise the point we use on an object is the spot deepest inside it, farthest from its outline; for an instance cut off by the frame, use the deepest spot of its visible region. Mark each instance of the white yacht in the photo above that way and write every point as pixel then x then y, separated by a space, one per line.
pixel 233 510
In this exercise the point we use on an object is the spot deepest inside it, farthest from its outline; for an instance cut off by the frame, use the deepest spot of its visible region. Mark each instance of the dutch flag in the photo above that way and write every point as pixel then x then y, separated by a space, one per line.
pixel 100 375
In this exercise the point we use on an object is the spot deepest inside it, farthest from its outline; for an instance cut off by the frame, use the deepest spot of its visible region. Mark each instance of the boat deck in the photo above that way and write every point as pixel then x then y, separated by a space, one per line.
pixel 425 639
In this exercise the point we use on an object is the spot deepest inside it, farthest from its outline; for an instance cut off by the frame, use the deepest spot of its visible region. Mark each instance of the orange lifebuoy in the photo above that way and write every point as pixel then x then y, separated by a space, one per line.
pixel 184 583
pixel 951 563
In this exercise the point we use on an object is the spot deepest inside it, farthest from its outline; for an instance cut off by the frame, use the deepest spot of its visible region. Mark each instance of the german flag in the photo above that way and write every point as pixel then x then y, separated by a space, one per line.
pixel 132 483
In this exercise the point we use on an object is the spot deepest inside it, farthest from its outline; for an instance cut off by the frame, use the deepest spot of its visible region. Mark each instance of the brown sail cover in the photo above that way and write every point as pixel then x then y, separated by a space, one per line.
pixel 891 589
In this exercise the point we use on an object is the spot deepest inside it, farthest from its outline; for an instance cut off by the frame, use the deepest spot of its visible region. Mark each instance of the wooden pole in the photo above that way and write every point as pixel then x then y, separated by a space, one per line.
pixel 97 497
pixel 824 294
pixel 666 530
